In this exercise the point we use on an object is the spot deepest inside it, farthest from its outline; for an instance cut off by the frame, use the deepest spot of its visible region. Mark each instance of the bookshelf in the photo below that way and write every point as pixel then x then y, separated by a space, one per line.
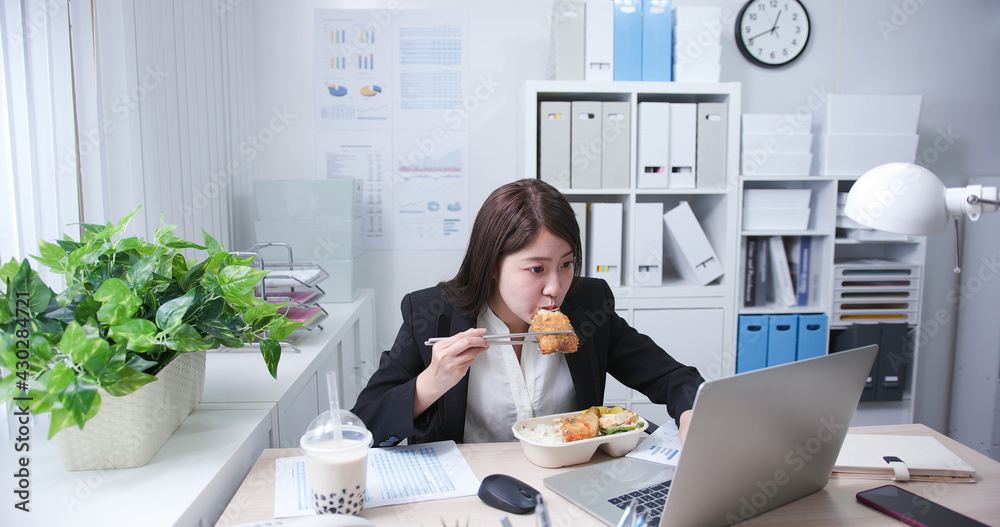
pixel 694 323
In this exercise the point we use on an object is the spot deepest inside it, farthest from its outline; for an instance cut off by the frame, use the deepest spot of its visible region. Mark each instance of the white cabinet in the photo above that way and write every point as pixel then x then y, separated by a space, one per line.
pixel 694 323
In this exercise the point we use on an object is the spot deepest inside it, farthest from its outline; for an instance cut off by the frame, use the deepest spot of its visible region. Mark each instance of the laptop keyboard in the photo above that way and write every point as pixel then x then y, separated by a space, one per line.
pixel 650 501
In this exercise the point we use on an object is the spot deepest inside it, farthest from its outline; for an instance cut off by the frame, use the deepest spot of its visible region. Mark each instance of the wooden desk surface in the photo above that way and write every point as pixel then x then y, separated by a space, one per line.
pixel 834 505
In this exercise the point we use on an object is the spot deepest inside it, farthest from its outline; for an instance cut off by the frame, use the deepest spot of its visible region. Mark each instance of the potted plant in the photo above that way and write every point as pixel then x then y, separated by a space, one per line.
pixel 130 310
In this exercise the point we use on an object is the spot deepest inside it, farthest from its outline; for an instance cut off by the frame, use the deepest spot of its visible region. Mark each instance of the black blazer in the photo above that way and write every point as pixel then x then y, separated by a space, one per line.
pixel 607 345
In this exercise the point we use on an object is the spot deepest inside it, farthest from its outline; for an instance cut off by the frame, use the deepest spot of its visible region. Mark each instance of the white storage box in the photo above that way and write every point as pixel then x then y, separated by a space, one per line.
pixel 313 240
pixel 308 199
pixel 776 123
pixel 872 114
pixel 697 72
pixel 784 143
pixel 776 164
pixel 855 154
pixel 772 218
pixel 781 198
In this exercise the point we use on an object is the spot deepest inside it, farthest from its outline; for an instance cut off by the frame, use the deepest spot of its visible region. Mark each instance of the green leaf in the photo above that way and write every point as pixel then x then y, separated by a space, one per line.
pixel 27 285
pixel 86 310
pixel 139 333
pixel 212 309
pixel 91 351
pixel 171 314
pixel 51 256
pixel 187 338
pixel 140 272
pixel 113 290
pixel 59 378
pixel 192 277
pixel 238 280
pixel 219 330
pixel 131 380
pixel 214 247
pixel 8 270
pixel 164 232
pixel 262 310
pixel 271 351
pixel 282 327
pixel 80 401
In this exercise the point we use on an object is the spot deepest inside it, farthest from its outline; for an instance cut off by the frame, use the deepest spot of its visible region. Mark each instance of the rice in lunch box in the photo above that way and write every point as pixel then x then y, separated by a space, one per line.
pixel 543 433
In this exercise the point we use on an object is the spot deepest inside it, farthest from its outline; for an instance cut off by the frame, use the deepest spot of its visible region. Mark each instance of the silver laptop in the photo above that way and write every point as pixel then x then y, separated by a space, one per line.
pixel 757 440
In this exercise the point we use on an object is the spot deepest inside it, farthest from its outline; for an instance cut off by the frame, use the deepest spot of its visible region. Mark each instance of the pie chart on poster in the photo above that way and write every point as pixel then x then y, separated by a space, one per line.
pixel 370 91
pixel 337 91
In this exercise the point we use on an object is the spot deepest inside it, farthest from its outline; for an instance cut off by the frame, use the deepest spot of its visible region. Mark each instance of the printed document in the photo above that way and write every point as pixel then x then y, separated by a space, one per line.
pixel 663 446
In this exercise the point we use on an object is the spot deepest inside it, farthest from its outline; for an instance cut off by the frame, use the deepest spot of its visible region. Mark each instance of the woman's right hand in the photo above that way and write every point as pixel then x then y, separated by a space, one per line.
pixel 450 360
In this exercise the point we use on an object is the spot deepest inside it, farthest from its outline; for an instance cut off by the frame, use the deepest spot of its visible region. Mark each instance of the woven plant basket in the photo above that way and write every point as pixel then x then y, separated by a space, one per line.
pixel 127 431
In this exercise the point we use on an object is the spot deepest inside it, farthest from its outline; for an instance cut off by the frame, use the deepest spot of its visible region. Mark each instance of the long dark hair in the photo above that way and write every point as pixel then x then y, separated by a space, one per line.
pixel 510 218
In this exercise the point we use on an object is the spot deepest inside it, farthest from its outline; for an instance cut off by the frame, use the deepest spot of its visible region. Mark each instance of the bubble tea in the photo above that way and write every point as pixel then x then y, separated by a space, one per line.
pixel 337 468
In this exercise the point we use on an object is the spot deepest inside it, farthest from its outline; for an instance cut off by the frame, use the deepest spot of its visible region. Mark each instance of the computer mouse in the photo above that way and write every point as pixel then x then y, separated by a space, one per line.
pixel 313 520
pixel 508 494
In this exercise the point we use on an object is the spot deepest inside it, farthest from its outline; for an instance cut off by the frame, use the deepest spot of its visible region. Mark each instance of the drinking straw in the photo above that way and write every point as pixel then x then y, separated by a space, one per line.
pixel 331 384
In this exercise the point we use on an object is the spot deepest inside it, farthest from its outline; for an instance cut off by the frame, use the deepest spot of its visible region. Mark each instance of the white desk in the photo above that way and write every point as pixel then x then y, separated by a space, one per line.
pixel 188 482
pixel 198 470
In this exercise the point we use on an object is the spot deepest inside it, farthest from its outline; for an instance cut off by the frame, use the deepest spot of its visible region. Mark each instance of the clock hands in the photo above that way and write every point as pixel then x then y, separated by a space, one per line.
pixel 772 30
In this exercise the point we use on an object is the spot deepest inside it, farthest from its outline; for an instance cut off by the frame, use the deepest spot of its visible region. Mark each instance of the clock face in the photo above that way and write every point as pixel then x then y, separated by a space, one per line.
pixel 772 33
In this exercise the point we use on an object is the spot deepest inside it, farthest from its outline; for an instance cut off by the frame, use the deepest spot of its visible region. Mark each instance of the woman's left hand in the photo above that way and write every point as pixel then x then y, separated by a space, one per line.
pixel 682 426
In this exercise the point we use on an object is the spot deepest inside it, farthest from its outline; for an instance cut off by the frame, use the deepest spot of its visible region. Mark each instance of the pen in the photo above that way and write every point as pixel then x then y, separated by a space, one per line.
pixel 541 513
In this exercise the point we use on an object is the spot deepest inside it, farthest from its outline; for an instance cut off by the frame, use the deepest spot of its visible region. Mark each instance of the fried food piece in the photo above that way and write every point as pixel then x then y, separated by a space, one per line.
pixel 583 425
pixel 554 320
pixel 614 420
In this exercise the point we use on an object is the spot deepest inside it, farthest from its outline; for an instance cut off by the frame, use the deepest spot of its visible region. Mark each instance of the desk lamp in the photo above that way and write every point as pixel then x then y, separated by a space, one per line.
pixel 908 199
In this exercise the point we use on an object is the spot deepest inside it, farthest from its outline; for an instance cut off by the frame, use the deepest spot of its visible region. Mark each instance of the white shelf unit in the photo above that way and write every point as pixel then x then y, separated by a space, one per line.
pixel 695 324
pixel 829 250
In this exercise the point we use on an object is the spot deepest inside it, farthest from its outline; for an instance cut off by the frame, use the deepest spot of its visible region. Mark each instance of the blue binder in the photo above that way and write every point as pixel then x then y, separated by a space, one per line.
pixel 751 343
pixel 782 332
pixel 628 40
pixel 657 41
pixel 812 336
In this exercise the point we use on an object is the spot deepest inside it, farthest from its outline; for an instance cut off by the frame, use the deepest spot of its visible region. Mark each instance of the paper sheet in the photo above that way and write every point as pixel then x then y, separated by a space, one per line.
pixel 396 475
pixel 663 446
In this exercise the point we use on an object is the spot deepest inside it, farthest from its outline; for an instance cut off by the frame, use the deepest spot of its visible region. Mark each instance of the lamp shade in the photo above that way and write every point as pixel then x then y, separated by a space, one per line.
pixel 899 197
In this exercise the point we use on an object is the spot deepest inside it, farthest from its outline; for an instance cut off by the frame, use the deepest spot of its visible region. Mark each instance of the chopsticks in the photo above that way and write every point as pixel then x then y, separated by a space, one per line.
pixel 506 339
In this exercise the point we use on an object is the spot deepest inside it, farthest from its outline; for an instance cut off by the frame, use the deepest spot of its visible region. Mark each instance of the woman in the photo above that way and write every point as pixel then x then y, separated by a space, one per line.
pixel 523 255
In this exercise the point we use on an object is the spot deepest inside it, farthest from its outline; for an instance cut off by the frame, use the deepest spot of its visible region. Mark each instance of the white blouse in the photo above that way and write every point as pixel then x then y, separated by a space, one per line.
pixel 503 391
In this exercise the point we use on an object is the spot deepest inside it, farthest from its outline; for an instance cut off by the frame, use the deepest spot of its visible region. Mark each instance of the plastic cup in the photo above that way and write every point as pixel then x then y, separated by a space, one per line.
pixel 336 469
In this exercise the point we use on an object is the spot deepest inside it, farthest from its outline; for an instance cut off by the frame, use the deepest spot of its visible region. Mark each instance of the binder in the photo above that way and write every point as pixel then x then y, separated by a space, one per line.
pixel 855 336
pixel 647 248
pixel 683 121
pixel 554 143
pixel 751 343
pixel 653 138
pixel 893 357
pixel 762 288
pixel 812 336
pixel 926 459
pixel 566 43
pixel 585 145
pixel 628 40
pixel 689 248
pixel 580 212
pixel 657 41
pixel 615 141
pixel 804 270
pixel 605 235
pixel 599 45
pixel 750 272
pixel 710 149
pixel 784 289
pixel 782 335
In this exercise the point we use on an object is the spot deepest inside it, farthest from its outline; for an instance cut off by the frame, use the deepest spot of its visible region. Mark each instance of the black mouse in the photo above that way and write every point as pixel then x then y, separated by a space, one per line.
pixel 507 494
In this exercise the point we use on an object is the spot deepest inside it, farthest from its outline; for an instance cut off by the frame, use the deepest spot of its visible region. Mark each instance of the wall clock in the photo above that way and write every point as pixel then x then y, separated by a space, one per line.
pixel 772 33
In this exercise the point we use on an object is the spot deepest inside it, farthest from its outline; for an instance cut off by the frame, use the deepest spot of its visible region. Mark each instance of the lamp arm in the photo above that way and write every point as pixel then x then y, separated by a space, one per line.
pixel 973 199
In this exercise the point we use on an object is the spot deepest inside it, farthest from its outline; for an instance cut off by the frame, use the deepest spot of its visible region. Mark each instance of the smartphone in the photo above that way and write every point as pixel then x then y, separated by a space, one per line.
pixel 912 509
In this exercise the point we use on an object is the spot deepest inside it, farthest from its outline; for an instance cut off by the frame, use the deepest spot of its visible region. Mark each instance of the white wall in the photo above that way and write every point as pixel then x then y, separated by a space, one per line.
pixel 946 51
